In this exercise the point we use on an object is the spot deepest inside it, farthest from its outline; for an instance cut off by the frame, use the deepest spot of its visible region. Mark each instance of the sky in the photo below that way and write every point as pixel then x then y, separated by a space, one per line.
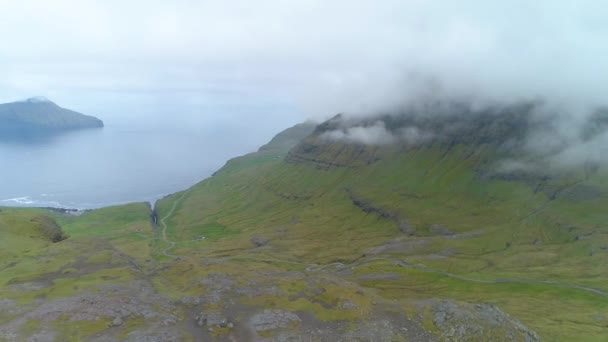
pixel 264 65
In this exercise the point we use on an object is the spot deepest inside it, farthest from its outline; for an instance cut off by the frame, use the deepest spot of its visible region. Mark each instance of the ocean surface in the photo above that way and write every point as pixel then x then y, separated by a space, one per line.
pixel 114 165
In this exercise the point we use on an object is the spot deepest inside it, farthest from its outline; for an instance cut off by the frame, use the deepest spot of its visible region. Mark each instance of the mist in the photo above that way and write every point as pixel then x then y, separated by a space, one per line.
pixel 256 68
pixel 300 50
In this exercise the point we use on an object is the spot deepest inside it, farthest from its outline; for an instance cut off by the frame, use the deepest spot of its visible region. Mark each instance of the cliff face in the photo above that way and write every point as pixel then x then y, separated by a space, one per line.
pixel 42 115
pixel 528 135
pixel 351 141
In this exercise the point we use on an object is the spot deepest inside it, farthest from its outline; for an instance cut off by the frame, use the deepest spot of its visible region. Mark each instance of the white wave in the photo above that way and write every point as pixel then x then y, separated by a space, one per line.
pixel 26 201
pixel 19 200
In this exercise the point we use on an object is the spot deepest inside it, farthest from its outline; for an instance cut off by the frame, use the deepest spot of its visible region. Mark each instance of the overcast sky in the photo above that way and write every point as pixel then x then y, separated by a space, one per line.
pixel 273 63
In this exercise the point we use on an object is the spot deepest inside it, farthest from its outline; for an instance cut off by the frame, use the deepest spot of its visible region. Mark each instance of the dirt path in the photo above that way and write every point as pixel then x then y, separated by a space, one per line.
pixel 163 224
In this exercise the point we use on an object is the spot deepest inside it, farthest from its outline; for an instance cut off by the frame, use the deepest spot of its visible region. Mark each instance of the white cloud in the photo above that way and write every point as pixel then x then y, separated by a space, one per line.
pixel 313 57
pixel 375 134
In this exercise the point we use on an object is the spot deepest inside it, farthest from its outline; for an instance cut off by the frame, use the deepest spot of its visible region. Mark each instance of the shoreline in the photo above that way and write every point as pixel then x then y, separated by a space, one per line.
pixel 66 211
pixel 152 204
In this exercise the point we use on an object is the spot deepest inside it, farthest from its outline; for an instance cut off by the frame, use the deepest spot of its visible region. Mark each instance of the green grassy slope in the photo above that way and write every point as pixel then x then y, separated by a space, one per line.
pixel 349 237
pixel 106 247
pixel 423 213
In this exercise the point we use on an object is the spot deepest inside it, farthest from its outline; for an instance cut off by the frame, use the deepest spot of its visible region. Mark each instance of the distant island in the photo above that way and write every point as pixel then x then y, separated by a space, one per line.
pixel 40 115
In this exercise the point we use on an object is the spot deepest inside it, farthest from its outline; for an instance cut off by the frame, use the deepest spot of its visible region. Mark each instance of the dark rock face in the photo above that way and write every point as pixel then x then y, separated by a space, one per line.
pixel 444 125
pixel 507 130
pixel 367 206
pixel 450 123
pixel 39 115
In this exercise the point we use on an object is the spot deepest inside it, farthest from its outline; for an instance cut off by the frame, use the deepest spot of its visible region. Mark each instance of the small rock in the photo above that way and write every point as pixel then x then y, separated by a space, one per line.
pixel 169 322
pixel 200 319
pixel 440 230
pixel 215 319
pixel 259 241
pixel 117 322
pixel 348 305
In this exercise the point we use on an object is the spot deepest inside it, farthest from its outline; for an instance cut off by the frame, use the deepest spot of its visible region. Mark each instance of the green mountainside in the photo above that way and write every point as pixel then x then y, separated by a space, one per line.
pixel 41 115
pixel 320 237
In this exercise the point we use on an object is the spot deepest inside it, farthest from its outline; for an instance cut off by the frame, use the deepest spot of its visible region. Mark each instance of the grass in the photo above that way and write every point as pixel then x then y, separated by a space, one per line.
pixel 498 229
pixel 102 247
pixel 515 232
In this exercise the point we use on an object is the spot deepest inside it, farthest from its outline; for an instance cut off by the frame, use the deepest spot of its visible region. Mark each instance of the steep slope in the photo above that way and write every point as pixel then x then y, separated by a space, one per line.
pixel 41 115
pixel 434 218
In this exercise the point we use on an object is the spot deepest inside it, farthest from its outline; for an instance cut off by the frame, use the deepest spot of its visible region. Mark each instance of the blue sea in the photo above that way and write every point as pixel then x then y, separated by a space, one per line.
pixel 114 165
